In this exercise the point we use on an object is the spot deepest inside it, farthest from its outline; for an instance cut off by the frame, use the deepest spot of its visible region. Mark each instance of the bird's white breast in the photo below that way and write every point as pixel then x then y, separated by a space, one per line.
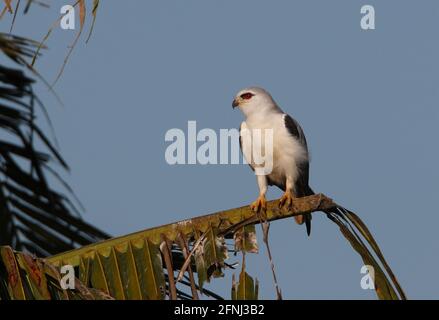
pixel 287 150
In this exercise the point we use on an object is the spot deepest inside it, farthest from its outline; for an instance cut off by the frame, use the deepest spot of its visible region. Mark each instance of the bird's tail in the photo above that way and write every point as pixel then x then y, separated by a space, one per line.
pixel 307 217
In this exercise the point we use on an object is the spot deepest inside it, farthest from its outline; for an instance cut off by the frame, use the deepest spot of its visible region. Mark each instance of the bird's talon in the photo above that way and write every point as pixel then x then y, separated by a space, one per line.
pixel 287 200
pixel 259 205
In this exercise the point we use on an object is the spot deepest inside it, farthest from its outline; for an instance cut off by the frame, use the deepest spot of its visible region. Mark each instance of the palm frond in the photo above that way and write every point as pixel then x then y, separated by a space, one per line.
pixel 24 277
pixel 33 216
pixel 207 251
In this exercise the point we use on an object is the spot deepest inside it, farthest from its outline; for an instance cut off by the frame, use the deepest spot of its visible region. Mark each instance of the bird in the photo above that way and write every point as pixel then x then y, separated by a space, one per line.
pixel 289 169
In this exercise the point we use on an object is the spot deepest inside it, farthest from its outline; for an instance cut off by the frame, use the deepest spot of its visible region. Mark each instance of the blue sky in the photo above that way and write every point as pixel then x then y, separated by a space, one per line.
pixel 367 100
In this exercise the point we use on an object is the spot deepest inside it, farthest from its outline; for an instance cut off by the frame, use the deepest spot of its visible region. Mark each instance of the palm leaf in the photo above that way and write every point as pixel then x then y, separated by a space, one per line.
pixel 207 255
pixel 25 277
pixel 33 216
pixel 247 288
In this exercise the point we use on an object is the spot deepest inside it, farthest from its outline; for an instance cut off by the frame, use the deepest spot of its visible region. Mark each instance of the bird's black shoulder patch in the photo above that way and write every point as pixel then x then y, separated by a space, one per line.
pixel 295 130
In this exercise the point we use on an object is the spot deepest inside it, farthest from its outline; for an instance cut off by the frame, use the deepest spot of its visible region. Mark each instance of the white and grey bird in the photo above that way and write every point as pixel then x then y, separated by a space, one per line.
pixel 290 157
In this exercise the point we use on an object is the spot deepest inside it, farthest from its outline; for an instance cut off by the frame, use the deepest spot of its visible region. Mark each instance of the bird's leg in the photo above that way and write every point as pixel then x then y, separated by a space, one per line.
pixel 261 203
pixel 287 199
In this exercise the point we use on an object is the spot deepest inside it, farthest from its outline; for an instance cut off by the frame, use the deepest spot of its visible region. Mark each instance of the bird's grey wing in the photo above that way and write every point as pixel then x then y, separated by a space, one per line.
pixel 302 187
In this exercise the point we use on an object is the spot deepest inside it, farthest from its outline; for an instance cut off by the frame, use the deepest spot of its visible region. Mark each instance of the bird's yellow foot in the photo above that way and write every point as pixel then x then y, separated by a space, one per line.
pixel 259 205
pixel 287 200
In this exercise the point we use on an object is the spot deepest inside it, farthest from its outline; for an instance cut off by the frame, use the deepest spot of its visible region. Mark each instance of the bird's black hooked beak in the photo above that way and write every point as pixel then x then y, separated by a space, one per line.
pixel 235 103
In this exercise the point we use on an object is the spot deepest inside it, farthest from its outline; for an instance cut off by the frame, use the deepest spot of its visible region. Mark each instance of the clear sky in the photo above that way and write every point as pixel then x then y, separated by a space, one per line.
pixel 367 100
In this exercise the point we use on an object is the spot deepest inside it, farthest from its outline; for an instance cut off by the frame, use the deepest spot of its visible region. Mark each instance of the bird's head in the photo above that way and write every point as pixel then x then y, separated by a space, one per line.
pixel 253 100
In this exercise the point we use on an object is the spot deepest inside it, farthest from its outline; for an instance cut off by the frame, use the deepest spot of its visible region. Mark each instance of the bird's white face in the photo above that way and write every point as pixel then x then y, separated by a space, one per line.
pixel 253 100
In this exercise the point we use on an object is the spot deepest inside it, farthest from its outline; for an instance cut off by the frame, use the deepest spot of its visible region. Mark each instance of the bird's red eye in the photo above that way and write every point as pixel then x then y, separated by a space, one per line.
pixel 246 95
